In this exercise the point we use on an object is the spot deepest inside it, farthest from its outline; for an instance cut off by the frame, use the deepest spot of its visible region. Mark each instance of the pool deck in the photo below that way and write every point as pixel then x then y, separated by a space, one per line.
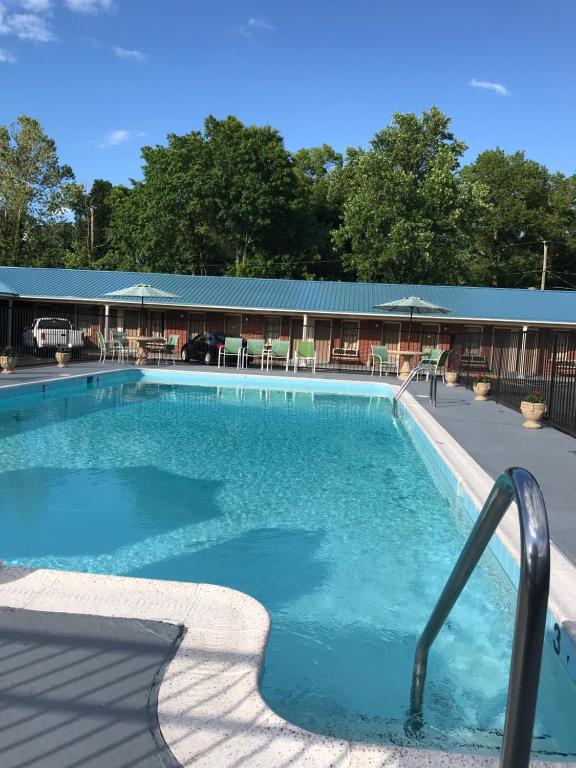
pixel 82 690
pixel 209 706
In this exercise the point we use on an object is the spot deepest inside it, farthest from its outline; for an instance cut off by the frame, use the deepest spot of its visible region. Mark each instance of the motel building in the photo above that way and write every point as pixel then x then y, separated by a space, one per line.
pixel 341 318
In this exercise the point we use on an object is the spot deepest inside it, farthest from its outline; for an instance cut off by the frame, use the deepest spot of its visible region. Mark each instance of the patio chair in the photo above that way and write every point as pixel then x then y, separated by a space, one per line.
pixel 120 346
pixel 379 358
pixel 305 353
pixel 436 363
pixel 429 359
pixel 233 347
pixel 254 349
pixel 168 351
pixel 279 350
pixel 104 347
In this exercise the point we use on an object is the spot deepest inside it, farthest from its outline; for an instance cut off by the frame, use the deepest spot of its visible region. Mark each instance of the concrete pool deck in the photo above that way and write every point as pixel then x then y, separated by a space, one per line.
pixel 209 706
pixel 81 690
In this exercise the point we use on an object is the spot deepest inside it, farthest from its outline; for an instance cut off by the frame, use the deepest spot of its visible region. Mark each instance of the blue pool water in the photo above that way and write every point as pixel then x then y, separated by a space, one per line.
pixel 316 504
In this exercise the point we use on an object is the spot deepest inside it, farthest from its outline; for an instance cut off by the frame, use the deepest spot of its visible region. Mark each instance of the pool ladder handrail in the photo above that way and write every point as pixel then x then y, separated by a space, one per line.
pixel 514 484
pixel 411 376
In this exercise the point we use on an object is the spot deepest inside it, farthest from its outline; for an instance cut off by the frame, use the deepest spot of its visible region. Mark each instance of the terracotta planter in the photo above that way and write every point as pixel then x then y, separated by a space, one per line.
pixel 533 414
pixel 451 378
pixel 8 363
pixel 63 358
pixel 481 389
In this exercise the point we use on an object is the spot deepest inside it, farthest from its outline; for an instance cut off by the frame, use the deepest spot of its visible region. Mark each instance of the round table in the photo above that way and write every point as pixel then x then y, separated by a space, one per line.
pixel 143 343
pixel 406 366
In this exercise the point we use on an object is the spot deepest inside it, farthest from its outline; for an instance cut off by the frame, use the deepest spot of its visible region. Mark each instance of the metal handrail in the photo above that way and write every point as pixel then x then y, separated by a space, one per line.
pixel 518 485
pixel 413 373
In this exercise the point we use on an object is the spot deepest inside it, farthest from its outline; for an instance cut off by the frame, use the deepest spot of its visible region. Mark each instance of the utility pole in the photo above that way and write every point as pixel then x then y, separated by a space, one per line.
pixel 544 267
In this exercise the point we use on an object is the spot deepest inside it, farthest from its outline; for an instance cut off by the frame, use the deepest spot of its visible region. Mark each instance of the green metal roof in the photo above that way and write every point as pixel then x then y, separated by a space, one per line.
pixel 301 296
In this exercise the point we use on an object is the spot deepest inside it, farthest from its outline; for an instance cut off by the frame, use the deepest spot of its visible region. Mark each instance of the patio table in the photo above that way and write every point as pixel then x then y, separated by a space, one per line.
pixel 144 344
pixel 406 366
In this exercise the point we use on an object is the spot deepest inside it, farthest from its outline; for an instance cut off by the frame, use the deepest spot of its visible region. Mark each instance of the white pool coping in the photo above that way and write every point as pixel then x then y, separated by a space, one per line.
pixel 210 709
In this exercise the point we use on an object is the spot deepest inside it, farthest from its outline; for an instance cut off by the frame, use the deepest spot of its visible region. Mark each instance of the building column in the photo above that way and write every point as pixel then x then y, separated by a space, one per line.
pixel 106 320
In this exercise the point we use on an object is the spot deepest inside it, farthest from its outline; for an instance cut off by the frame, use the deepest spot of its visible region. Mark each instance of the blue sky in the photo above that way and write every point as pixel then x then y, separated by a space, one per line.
pixel 107 76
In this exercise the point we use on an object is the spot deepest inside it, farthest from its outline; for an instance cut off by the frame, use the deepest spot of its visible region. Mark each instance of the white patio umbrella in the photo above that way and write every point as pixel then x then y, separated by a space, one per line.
pixel 142 291
pixel 415 305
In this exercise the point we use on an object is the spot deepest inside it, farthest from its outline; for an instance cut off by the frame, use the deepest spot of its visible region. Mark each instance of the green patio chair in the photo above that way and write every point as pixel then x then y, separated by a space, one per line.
pixel 120 346
pixel 305 353
pixel 233 347
pixel 279 351
pixel 168 351
pixel 379 358
pixel 436 363
pixel 104 347
pixel 254 349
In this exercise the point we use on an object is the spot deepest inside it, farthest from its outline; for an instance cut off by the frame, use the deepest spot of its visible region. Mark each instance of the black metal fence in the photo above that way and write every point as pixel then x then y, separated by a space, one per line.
pixel 519 362
pixel 516 362
pixel 35 335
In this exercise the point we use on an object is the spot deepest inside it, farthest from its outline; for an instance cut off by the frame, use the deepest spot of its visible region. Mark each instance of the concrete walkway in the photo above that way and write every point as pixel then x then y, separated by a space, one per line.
pixel 491 433
pixel 81 690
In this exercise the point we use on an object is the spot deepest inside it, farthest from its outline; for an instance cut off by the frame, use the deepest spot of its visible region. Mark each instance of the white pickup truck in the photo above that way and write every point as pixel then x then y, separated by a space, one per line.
pixel 51 332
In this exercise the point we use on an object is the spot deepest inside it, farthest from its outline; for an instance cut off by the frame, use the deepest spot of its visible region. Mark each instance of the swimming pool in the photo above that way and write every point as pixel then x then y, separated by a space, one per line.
pixel 318 504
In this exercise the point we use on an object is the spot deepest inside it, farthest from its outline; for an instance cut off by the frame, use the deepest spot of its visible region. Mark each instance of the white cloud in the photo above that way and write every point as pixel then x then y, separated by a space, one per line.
pixel 119 136
pixel 254 25
pixel 6 57
pixel 487 85
pixel 126 53
pixel 27 26
pixel 37 6
pixel 89 6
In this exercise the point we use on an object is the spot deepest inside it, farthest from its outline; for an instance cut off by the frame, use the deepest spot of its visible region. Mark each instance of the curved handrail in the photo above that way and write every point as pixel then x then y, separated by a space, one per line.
pixel 413 373
pixel 518 485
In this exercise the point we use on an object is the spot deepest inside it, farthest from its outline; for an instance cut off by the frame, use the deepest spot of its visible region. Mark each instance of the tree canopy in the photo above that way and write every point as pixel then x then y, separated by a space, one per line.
pixel 231 199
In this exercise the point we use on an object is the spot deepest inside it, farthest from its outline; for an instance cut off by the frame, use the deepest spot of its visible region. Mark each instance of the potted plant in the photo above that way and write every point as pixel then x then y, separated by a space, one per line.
pixel 451 378
pixel 63 355
pixel 8 360
pixel 533 408
pixel 481 387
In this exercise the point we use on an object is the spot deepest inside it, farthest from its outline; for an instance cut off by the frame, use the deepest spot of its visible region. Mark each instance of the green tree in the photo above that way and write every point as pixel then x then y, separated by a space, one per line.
pixel 92 214
pixel 32 192
pixel 221 200
pixel 507 234
pixel 405 209
pixel 318 211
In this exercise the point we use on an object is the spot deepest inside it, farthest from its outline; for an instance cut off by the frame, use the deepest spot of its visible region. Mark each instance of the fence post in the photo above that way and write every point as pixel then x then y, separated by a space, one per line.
pixel 550 395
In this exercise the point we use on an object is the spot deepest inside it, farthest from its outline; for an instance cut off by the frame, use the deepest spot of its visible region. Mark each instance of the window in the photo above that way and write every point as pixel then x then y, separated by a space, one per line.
pixel 473 340
pixel 272 329
pixel 196 324
pixel 430 335
pixel 232 325
pixel 54 324
pixel 350 336
pixel 157 323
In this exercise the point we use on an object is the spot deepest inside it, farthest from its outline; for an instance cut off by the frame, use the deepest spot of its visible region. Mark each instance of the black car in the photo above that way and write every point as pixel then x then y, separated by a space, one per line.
pixel 203 347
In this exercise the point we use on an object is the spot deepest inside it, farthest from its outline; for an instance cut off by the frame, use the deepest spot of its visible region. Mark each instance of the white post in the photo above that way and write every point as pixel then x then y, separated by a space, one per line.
pixel 106 320
pixel 523 351
pixel 305 328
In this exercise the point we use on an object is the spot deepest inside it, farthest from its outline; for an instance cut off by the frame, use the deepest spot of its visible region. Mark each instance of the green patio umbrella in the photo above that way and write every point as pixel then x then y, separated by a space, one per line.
pixel 142 291
pixel 415 306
